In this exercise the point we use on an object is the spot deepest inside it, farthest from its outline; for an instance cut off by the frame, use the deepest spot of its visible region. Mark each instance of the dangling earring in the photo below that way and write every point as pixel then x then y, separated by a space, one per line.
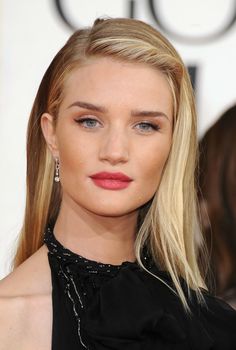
pixel 56 177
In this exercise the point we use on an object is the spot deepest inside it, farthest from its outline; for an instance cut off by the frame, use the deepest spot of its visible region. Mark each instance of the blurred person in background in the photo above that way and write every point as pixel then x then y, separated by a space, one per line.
pixel 217 195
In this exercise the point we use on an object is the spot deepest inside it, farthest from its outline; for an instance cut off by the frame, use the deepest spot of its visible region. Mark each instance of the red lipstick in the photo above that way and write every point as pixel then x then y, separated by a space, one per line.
pixel 111 181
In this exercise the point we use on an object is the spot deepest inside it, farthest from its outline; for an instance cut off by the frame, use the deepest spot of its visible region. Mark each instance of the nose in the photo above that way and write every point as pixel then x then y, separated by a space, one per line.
pixel 114 146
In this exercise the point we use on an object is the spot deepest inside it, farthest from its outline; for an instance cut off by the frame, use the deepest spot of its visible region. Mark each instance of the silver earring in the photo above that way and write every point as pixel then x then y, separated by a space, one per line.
pixel 56 177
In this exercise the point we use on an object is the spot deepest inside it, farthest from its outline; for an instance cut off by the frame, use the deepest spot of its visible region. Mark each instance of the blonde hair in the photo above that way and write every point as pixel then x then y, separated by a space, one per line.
pixel 168 222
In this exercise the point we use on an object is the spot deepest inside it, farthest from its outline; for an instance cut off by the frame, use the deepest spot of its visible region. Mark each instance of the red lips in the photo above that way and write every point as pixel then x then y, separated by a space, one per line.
pixel 112 176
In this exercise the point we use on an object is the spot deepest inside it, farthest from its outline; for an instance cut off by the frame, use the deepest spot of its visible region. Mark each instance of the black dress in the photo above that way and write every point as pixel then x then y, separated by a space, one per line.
pixel 121 307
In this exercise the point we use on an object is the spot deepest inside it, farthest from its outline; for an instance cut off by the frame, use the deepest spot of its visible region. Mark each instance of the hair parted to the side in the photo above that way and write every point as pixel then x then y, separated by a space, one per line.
pixel 168 222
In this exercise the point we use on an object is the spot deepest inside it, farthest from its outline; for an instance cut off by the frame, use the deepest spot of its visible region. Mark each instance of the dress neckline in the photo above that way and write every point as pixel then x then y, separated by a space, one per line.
pixel 64 254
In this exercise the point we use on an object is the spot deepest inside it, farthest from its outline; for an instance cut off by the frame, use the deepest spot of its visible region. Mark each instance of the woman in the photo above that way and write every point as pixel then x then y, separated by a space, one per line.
pixel 107 253
pixel 217 197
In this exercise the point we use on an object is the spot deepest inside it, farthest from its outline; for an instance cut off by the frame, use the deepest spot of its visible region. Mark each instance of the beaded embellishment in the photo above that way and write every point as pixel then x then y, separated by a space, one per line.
pixel 67 260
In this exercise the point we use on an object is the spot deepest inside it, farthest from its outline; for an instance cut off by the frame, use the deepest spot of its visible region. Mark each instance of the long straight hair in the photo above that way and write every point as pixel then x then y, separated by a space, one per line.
pixel 168 222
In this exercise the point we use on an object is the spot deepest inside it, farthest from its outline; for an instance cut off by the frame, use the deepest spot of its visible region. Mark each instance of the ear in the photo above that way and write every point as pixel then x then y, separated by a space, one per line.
pixel 49 133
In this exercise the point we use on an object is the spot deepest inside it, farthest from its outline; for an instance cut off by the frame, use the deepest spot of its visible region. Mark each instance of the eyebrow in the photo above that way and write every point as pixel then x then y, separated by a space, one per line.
pixel 101 109
pixel 90 106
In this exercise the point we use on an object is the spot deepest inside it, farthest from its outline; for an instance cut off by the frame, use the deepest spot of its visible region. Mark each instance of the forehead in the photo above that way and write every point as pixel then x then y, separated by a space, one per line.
pixel 106 80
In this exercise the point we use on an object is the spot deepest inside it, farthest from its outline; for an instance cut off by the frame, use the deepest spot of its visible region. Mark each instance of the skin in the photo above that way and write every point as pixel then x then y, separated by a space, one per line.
pixel 97 223
pixel 94 222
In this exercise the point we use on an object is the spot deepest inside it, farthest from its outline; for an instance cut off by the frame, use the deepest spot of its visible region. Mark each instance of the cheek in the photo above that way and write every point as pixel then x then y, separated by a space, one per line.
pixel 74 154
pixel 151 164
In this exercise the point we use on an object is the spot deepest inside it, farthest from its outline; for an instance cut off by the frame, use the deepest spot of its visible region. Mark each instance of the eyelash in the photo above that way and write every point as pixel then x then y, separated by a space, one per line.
pixel 80 121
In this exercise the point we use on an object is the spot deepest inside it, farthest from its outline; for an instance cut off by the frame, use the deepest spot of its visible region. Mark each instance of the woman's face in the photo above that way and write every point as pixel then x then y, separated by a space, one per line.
pixel 114 117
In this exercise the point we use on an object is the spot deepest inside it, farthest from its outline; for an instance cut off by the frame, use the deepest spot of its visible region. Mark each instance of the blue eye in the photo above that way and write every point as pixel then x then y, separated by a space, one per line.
pixel 149 127
pixel 91 123
pixel 87 122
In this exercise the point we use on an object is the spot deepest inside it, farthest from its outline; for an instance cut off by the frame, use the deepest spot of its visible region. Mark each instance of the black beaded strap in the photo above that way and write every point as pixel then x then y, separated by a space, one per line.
pixel 62 253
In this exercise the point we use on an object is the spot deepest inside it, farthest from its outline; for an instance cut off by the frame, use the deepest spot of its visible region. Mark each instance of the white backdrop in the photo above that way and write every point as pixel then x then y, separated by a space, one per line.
pixel 31 32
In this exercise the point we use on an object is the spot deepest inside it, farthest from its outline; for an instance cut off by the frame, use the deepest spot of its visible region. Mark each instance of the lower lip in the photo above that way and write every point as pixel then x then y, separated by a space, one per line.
pixel 110 184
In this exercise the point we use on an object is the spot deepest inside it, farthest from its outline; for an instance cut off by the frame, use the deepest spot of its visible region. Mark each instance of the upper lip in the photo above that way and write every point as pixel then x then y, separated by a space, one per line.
pixel 114 176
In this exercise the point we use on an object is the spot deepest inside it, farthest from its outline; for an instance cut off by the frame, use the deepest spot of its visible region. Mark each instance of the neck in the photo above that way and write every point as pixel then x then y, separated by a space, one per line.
pixel 109 240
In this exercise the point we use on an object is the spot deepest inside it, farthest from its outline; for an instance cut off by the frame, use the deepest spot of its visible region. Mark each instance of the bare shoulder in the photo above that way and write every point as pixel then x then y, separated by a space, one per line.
pixel 30 278
pixel 11 315
pixel 25 323
pixel 26 306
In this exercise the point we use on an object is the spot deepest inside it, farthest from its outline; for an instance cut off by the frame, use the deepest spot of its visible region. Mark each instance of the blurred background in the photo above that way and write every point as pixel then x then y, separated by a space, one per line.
pixel 31 33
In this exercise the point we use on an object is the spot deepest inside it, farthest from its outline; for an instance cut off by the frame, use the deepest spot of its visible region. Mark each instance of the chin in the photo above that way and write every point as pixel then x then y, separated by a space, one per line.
pixel 111 211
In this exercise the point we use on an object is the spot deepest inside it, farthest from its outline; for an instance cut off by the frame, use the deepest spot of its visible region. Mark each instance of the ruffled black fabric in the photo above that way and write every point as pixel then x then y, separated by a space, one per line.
pixel 102 306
